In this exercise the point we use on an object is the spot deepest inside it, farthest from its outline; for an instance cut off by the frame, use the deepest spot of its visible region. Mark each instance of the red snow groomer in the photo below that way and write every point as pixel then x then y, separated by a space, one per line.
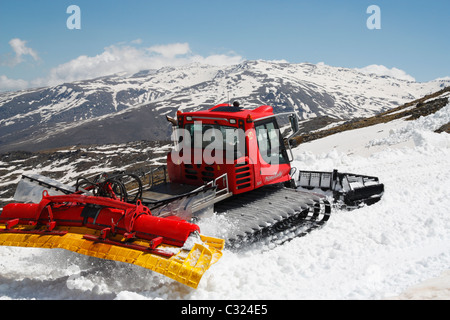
pixel 246 155
pixel 226 160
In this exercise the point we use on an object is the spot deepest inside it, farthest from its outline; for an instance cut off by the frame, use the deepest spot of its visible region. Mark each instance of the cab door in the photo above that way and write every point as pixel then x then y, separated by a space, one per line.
pixel 273 158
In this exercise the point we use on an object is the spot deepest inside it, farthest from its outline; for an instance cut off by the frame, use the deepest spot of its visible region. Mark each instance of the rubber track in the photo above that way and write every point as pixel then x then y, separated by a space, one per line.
pixel 273 213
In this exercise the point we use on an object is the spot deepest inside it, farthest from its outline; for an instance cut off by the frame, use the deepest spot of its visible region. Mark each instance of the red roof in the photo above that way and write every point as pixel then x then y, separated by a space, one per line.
pixel 228 111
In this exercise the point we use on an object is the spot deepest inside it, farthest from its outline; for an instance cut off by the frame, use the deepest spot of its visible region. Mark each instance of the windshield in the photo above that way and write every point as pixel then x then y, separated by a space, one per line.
pixel 230 140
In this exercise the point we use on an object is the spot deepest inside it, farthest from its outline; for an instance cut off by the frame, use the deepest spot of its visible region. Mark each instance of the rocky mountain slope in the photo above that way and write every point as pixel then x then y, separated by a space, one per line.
pixel 67 164
pixel 121 108
pixel 409 111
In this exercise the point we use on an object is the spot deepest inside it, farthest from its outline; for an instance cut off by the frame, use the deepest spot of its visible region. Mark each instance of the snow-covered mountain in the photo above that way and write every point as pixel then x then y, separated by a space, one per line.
pixel 121 108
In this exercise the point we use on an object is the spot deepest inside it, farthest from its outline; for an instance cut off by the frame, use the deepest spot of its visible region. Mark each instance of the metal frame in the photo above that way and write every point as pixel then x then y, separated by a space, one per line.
pixel 219 195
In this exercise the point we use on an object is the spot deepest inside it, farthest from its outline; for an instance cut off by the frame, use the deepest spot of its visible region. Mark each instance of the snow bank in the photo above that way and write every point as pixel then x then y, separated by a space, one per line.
pixel 416 129
pixel 375 252
pixel 432 289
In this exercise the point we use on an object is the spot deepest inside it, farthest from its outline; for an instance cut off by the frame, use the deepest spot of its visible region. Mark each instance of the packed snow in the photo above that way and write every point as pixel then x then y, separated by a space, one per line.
pixel 394 249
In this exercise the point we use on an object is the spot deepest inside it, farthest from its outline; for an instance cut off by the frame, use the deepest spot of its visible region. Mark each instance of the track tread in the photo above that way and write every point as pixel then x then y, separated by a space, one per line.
pixel 275 213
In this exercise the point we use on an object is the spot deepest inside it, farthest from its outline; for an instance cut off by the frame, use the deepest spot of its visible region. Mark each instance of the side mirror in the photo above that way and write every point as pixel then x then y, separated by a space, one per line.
pixel 294 123
pixel 172 121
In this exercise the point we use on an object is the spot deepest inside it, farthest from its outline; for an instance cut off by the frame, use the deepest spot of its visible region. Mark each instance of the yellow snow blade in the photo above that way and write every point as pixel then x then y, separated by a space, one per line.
pixel 184 266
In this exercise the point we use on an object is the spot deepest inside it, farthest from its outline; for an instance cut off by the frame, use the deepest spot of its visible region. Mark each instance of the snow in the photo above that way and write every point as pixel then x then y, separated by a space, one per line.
pixel 398 248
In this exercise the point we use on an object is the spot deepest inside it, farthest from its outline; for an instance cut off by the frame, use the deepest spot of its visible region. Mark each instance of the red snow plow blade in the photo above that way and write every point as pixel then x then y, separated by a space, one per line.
pixel 114 230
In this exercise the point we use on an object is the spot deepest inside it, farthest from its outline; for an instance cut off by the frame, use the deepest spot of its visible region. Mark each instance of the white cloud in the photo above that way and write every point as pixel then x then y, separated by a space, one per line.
pixel 218 59
pixel 7 84
pixel 137 41
pixel 384 71
pixel 171 50
pixel 130 59
pixel 20 49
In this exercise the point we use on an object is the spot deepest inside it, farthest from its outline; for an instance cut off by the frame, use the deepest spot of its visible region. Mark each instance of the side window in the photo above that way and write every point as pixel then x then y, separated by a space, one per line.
pixel 269 143
pixel 263 141
pixel 274 138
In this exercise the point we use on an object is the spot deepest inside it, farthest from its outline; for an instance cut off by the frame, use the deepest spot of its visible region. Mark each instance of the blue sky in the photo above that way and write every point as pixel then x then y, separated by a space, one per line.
pixel 37 48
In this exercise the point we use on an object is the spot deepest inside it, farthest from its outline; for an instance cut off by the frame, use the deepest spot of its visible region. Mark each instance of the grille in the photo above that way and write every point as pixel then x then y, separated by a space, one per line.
pixel 243 175
pixel 199 172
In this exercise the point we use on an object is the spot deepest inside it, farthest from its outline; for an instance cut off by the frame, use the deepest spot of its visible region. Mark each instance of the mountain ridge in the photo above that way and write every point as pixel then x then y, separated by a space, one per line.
pixel 121 107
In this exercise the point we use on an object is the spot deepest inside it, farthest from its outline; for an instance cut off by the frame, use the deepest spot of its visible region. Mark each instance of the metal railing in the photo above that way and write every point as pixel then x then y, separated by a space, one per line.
pixel 222 193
